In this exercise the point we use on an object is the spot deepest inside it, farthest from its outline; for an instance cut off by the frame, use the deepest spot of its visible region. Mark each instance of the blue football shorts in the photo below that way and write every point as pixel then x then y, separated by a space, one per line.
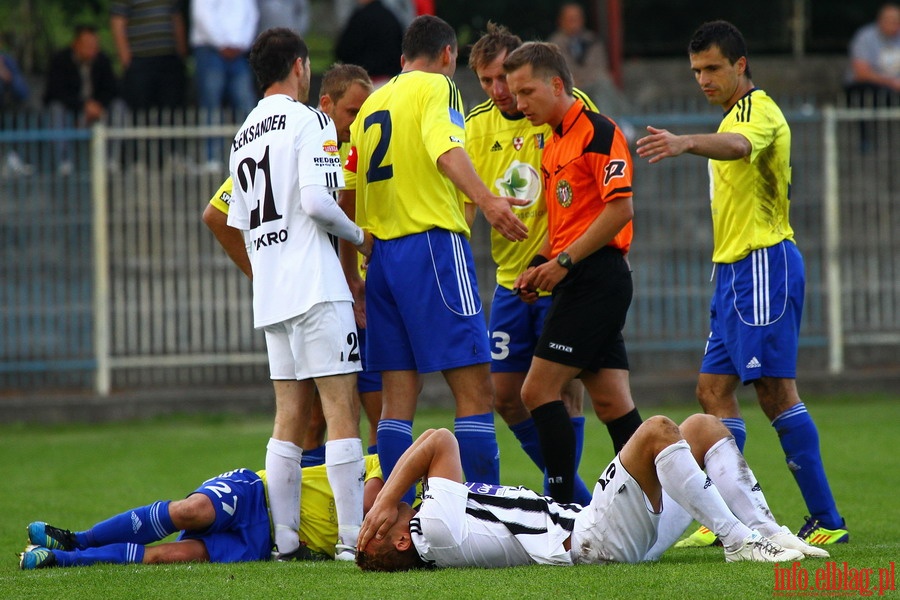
pixel 241 530
pixel 514 329
pixel 754 315
pixel 423 311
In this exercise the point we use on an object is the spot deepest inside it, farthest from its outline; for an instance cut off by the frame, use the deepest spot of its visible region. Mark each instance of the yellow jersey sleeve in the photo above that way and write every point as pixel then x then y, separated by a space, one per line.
pixel 222 198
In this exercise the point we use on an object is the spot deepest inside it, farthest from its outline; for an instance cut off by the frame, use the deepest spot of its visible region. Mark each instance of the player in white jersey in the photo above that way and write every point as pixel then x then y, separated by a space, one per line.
pixel 476 525
pixel 285 167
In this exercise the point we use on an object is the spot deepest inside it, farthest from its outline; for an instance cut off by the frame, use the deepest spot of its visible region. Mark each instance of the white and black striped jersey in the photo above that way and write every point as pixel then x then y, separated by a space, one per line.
pixel 282 147
pixel 483 525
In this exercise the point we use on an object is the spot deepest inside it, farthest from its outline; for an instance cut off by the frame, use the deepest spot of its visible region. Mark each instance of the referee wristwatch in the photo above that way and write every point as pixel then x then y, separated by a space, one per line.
pixel 564 260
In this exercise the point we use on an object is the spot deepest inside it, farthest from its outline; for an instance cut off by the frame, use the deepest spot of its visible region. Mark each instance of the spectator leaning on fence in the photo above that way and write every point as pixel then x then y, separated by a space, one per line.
pixel 874 72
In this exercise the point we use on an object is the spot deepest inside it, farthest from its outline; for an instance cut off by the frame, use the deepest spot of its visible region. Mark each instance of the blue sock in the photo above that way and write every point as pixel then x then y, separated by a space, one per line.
pixel 313 458
pixel 738 429
pixel 478 447
pixel 394 437
pixel 527 435
pixel 582 494
pixel 119 554
pixel 373 449
pixel 800 441
pixel 143 525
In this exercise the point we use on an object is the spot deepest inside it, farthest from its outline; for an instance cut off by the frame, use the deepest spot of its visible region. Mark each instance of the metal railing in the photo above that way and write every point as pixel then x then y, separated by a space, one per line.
pixel 109 279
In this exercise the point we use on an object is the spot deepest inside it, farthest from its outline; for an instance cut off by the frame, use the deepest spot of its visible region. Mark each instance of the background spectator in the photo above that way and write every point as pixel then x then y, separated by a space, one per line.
pixel 222 32
pixel 875 58
pixel 151 42
pixel 587 59
pixel 14 93
pixel 293 14
pixel 81 87
pixel 372 39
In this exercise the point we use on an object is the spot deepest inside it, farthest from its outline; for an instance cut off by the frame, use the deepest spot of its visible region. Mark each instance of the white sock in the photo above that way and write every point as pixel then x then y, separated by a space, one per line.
pixel 283 480
pixel 738 486
pixel 673 522
pixel 682 478
pixel 346 471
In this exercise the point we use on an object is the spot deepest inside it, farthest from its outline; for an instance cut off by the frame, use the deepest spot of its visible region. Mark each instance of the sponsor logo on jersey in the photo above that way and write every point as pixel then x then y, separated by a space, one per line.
pixel 517 142
pixel 614 170
pixel 270 239
pixel 521 180
pixel 455 139
pixel 564 193
pixel 539 141
pixel 330 147
pixel 754 363
pixel 496 147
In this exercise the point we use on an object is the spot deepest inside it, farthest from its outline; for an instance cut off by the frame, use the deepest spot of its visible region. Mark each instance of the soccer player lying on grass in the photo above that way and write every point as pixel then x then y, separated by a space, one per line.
pixel 476 525
pixel 226 519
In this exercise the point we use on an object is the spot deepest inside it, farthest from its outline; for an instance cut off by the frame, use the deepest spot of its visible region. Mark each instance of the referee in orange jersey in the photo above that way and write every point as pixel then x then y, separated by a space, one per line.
pixel 587 179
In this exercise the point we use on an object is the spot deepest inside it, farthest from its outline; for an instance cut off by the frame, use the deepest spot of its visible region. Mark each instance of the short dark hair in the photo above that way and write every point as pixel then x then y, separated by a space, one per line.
pixel 338 79
pixel 496 40
pixel 546 61
pixel 81 28
pixel 725 36
pixel 387 558
pixel 427 36
pixel 273 54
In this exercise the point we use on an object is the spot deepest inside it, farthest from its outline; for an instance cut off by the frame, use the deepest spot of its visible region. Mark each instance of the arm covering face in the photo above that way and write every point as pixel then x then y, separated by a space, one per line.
pixel 322 208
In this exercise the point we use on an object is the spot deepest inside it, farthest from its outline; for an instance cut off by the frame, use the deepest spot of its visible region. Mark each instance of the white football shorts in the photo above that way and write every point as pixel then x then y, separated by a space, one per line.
pixel 322 341
pixel 619 524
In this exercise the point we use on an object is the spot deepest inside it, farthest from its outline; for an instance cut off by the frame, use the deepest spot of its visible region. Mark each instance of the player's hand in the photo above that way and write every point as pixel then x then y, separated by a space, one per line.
pixel 522 290
pixel 365 248
pixel 498 213
pixel 660 144
pixel 377 523
pixel 358 291
pixel 544 277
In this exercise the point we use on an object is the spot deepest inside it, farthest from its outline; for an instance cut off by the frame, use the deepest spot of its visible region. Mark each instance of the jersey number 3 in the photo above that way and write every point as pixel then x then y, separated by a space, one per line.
pixel 378 171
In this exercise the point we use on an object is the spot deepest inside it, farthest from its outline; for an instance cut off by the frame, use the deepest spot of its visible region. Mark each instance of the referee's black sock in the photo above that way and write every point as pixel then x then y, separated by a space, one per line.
pixel 557 438
pixel 622 428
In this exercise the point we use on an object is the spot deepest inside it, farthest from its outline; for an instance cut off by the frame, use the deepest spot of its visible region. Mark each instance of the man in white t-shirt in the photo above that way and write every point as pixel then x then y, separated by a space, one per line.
pixel 285 166
pixel 479 525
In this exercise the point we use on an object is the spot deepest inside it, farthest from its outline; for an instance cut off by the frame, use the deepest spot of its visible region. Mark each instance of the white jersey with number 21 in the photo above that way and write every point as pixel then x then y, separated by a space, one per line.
pixel 282 147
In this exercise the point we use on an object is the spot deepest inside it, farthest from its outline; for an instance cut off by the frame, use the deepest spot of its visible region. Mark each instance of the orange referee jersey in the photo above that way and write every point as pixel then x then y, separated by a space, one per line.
pixel 585 165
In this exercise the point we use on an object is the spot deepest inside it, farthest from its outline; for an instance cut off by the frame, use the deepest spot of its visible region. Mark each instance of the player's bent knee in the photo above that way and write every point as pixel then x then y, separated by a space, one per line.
pixel 194 512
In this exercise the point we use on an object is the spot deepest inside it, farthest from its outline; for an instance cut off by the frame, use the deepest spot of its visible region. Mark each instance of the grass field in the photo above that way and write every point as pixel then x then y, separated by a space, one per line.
pixel 73 476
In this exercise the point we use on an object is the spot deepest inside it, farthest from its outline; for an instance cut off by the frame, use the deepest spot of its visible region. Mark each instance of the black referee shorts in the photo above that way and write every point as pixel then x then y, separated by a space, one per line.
pixel 583 327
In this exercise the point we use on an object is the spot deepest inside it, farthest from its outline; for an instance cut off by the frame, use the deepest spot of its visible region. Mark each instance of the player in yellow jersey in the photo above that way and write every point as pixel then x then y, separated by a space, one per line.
pixel 422 303
pixel 757 304
pixel 225 519
pixel 344 89
pixel 506 149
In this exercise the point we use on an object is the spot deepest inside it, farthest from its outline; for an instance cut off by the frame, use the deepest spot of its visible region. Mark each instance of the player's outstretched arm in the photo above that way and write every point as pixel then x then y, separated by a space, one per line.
pixel 456 165
pixel 662 143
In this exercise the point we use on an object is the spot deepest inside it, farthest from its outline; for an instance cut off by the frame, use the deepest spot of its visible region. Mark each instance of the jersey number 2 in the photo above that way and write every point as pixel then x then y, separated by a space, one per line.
pixel 376 170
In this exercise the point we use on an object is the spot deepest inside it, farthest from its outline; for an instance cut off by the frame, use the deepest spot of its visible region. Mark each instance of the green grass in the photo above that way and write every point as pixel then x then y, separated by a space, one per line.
pixel 75 475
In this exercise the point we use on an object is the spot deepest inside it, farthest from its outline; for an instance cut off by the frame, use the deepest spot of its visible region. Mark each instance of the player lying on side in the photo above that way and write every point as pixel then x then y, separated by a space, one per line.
pixel 476 525
pixel 226 519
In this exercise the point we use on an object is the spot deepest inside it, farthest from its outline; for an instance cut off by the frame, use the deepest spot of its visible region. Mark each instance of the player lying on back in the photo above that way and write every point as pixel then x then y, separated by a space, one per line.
pixel 226 519
pixel 477 525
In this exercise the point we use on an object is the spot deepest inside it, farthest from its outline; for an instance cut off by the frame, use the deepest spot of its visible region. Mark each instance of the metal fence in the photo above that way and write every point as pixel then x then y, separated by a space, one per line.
pixel 108 278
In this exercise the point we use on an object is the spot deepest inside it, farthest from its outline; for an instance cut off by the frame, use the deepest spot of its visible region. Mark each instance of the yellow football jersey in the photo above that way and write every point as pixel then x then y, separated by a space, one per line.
pixel 750 197
pixel 318 518
pixel 397 137
pixel 506 151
